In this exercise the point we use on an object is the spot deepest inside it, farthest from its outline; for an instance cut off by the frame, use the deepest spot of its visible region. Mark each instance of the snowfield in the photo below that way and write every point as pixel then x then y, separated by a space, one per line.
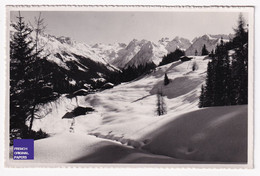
pixel 124 128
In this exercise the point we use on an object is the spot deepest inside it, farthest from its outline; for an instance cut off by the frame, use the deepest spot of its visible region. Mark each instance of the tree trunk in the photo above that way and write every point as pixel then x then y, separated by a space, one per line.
pixel 32 118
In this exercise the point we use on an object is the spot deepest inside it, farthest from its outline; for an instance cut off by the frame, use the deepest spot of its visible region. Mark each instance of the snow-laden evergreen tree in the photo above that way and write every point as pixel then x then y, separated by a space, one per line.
pixel 239 67
pixel 21 54
pixel 166 79
pixel 204 51
pixel 28 86
pixel 227 79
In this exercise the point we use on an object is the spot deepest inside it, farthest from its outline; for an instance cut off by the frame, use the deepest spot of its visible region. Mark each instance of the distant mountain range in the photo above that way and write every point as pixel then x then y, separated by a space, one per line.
pixel 210 41
pixel 120 55
pixel 96 61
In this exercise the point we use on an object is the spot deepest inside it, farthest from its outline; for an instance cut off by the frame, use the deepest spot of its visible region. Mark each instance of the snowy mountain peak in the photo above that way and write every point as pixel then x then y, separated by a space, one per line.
pixel 210 41
pixel 164 39
pixel 122 55
pixel 66 40
pixel 144 55
pixel 177 42
pixel 177 38
pixel 132 44
pixel 206 37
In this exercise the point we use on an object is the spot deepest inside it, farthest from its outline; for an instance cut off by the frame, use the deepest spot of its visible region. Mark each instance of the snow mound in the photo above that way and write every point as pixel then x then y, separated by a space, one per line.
pixel 210 134
pixel 82 148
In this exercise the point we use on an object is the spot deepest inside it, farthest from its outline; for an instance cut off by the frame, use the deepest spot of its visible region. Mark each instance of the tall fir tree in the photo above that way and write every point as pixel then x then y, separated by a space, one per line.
pixel 202 97
pixel 21 54
pixel 222 75
pixel 209 92
pixel 204 50
pixel 28 86
pixel 239 67
pixel 166 79
pixel 227 79
pixel 161 106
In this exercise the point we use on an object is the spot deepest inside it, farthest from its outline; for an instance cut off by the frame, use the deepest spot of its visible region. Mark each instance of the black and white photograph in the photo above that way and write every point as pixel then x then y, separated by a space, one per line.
pixel 130 86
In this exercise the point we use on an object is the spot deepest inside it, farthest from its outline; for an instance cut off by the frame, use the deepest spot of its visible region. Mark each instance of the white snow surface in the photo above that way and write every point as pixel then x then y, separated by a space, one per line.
pixel 125 127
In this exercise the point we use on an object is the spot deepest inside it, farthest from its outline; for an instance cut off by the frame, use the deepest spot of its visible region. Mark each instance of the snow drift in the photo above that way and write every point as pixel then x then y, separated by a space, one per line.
pixel 210 134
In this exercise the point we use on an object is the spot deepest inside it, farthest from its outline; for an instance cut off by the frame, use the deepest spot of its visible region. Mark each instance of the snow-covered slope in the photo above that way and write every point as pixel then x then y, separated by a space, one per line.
pixel 115 105
pixel 209 135
pixel 125 120
pixel 210 41
pixel 66 47
pixel 77 61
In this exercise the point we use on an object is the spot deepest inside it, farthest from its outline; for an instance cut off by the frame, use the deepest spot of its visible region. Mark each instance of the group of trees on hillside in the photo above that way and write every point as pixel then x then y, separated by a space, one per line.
pixel 132 72
pixel 172 57
pixel 227 74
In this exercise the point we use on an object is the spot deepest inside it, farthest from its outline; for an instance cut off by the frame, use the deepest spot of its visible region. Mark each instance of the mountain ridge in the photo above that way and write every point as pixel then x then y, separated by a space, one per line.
pixel 118 56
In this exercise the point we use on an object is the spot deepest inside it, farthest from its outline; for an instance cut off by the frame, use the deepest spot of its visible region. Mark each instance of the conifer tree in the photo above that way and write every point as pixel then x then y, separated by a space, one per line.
pixel 211 53
pixel 166 79
pixel 194 66
pixel 239 67
pixel 201 98
pixel 172 57
pixel 28 86
pixel 21 55
pixel 204 51
pixel 161 106
pixel 209 94
pixel 227 80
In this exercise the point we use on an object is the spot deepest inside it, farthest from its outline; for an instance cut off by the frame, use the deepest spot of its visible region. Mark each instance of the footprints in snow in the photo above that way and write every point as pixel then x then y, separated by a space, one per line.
pixel 122 140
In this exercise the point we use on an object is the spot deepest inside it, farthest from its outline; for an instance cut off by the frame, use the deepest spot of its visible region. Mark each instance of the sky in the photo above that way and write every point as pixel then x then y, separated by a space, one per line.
pixel 111 27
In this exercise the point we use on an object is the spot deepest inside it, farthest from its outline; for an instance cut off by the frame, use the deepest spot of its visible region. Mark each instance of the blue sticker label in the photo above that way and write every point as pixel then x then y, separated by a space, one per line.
pixel 23 149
